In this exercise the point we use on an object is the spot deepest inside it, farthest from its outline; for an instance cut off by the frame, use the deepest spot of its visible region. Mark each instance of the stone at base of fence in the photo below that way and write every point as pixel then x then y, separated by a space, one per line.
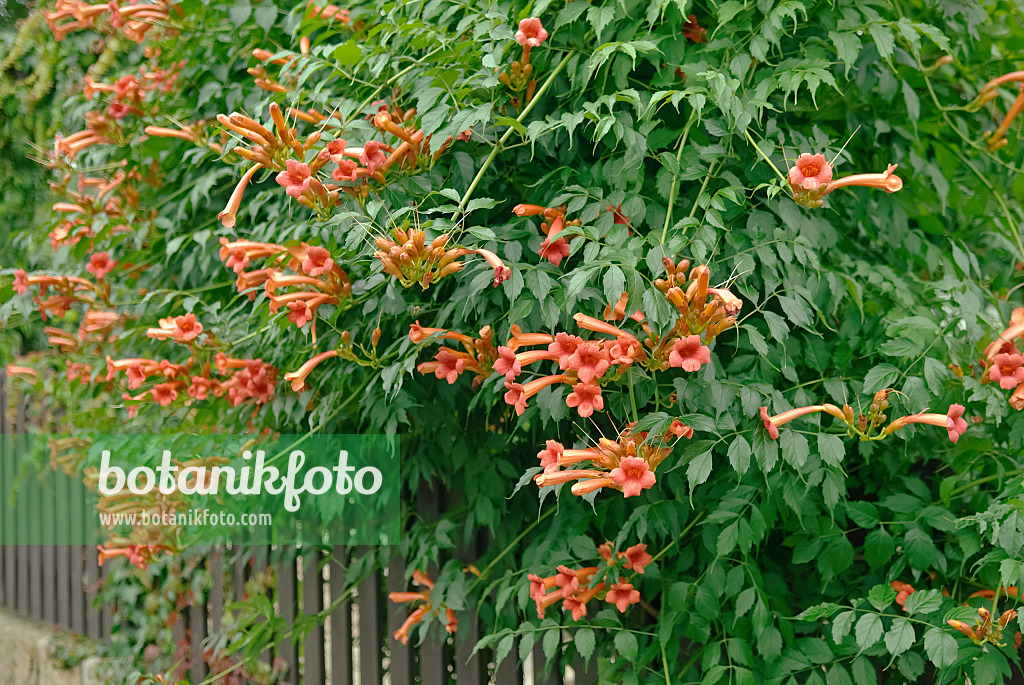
pixel 25 656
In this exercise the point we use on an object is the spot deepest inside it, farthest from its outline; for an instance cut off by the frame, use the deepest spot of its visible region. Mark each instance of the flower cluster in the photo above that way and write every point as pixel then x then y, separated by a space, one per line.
pixel 425 608
pixel 864 425
pixel 574 588
pixel 529 35
pixel 263 79
pixel 128 93
pixel 68 289
pixel 116 197
pixel 555 246
pixel 317 280
pixel 1004 363
pixel 626 464
pixel 132 18
pixel 478 354
pixel 407 256
pixel 810 179
pixel 984 629
pixel 704 312
pixel 240 380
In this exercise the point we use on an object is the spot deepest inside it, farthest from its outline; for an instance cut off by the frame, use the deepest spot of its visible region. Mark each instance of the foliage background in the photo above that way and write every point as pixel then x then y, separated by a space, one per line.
pixel 871 291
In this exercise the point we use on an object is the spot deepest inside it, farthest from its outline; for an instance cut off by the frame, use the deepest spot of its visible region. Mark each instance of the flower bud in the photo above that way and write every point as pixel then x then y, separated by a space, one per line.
pixel 375 337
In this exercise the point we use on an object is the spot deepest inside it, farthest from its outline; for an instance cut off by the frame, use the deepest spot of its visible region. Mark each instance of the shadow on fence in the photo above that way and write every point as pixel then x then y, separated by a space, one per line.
pixel 57 584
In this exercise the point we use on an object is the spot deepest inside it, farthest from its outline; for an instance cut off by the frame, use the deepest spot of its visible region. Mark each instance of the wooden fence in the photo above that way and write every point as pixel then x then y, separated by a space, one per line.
pixel 58 585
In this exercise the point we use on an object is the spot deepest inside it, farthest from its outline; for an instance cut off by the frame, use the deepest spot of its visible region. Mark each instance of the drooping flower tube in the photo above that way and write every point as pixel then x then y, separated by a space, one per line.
pixel 952 421
pixel 772 423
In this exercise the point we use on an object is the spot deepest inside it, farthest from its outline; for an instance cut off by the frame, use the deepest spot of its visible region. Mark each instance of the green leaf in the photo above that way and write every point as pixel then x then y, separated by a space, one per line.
pixel 699 470
pixel 739 454
pixel 728 9
pixel 552 639
pixel 614 284
pixel 882 376
pixel 879 548
pixel 585 642
pixel 348 53
pixel 869 630
pixel 924 602
pixel 626 645
pixel 842 625
pixel 941 647
pixel 881 596
pixel 831 449
pixel 900 637
pixel 599 17
pixel 884 39
pixel 847 45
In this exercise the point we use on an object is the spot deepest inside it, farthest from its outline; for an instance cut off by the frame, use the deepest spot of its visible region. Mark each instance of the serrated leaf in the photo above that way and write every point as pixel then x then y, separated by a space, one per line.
pixel 626 645
pixel 739 454
pixel 842 625
pixel 941 647
pixel 585 642
pixel 699 469
pixel 868 631
pixel 881 376
pixel 900 637
pixel 924 602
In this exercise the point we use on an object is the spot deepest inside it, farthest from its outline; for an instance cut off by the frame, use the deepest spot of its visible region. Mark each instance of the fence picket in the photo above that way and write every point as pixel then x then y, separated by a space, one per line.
pixel 400 664
pixel 369 605
pixel 287 601
pixel 313 665
pixel 341 621
pixel 6 557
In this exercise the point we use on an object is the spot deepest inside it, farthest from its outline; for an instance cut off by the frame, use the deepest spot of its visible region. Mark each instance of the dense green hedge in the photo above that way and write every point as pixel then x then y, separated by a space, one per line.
pixel 636 153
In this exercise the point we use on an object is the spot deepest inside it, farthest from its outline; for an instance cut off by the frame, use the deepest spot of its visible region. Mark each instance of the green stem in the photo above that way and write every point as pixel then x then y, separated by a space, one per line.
pixel 501 141
pixel 986 479
pixel 674 192
pixel 366 103
pixel 764 156
pixel 664 664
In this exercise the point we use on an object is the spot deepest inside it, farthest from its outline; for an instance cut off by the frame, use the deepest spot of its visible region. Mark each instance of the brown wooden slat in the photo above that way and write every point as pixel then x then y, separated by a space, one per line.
pixel 432 653
pixel 370 643
pixel 93 627
pixel 469 670
pixel 77 572
pixel 553 677
pixel 287 601
pixel 586 672
pixel 49 553
pixel 106 612
pixel 6 584
pixel 197 633
pixel 400 664
pixel 340 622
pixel 22 550
pixel 63 553
pixel 216 600
pixel 35 551
pixel 313 663
pixel 178 630
pixel 259 561
pixel 508 671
